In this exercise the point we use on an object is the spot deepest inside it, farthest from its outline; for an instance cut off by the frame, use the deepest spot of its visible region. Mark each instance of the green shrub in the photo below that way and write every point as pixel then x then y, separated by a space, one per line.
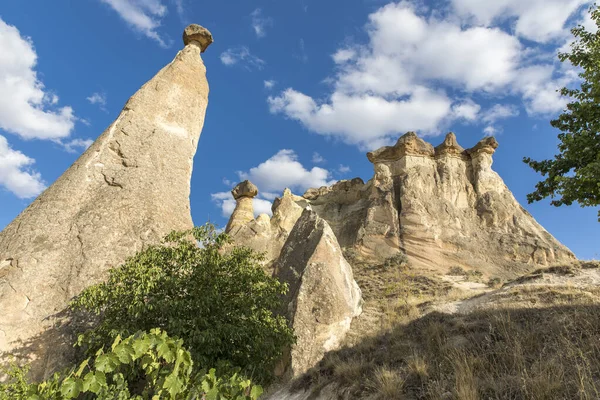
pixel 142 366
pixel 219 304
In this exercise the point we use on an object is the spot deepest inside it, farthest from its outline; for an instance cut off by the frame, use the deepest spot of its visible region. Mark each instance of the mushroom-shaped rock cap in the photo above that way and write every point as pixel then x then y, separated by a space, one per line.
pixel 486 145
pixel 197 33
pixel 244 189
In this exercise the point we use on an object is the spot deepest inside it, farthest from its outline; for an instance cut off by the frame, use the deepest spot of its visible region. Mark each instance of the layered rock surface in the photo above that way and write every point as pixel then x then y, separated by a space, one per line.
pixel 442 206
pixel 323 297
pixel 129 189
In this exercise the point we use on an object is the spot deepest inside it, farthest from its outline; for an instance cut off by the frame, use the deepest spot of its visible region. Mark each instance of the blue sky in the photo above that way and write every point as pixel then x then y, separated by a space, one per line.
pixel 300 89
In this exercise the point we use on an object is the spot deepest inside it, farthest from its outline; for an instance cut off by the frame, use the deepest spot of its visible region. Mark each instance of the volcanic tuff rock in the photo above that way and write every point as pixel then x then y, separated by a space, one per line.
pixel 263 234
pixel 323 297
pixel 442 206
pixel 129 189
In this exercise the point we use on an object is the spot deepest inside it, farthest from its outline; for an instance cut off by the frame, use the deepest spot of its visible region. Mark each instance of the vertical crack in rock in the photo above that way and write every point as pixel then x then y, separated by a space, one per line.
pixel 81 226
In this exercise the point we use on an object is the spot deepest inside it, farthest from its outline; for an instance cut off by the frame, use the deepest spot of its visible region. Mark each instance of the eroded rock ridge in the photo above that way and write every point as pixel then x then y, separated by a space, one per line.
pixel 442 206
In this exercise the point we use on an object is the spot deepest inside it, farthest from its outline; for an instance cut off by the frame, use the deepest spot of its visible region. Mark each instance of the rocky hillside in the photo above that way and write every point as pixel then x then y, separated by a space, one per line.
pixel 457 282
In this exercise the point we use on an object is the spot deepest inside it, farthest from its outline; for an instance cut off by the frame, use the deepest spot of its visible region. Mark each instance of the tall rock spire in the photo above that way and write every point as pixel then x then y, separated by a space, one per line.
pixel 128 190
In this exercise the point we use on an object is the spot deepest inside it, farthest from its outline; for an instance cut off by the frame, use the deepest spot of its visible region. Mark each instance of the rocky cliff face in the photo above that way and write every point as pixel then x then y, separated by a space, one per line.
pixel 323 297
pixel 129 189
pixel 442 206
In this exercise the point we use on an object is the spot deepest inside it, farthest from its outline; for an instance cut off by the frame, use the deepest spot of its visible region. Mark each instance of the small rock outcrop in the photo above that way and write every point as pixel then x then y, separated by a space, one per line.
pixel 128 190
pixel 323 297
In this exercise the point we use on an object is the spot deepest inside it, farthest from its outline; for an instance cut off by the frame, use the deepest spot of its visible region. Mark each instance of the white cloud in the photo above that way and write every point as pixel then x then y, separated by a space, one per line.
pixel 343 55
pixel 179 8
pixel 343 169
pixel 260 23
pixel 226 202
pixel 468 110
pixel 365 120
pixel 539 88
pixel 317 158
pixel 242 55
pixel 272 176
pixel 491 130
pixel 401 79
pixel 537 20
pixel 302 56
pixel 76 145
pixel 500 111
pixel 284 170
pixel 15 173
pixel 269 84
pixel 143 16
pixel 26 109
pixel 98 99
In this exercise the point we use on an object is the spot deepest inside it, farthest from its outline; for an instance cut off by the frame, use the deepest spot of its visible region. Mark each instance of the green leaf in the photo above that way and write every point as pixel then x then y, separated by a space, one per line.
pixel 256 392
pixel 71 387
pixel 82 366
pixel 105 363
pixel 94 382
pixel 173 385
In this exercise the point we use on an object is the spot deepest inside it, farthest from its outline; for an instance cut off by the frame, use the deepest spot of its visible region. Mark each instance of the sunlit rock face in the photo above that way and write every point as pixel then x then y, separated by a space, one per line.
pixel 443 206
pixel 323 296
pixel 128 190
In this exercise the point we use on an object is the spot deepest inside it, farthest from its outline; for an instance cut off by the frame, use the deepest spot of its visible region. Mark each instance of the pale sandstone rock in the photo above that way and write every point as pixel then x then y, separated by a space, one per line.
pixel 128 190
pixel 243 213
pixel 443 206
pixel 263 234
pixel 323 297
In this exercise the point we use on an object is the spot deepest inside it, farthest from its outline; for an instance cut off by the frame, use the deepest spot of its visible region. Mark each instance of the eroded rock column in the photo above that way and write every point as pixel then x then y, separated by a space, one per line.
pixel 243 194
pixel 128 190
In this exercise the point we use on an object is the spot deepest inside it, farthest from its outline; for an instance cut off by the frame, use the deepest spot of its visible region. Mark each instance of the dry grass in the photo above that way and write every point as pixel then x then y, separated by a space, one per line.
pixel 387 384
pixel 551 352
pixel 535 342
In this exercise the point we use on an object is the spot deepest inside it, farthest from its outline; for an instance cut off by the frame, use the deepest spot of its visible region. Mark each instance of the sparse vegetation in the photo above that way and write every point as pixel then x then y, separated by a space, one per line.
pixel 399 260
pixel 530 353
pixel 495 282
pixel 471 275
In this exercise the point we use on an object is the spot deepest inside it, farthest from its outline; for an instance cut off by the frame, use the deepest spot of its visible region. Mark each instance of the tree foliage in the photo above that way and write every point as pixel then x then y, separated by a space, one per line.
pixel 220 304
pixel 574 174
pixel 143 366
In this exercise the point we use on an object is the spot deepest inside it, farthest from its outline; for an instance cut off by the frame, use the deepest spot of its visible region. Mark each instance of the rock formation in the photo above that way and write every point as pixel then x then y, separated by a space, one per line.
pixel 263 234
pixel 323 297
pixel 129 189
pixel 243 194
pixel 442 206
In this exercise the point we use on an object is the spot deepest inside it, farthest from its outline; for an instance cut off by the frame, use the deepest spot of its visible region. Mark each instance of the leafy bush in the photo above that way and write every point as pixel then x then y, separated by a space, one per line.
pixel 142 366
pixel 219 304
